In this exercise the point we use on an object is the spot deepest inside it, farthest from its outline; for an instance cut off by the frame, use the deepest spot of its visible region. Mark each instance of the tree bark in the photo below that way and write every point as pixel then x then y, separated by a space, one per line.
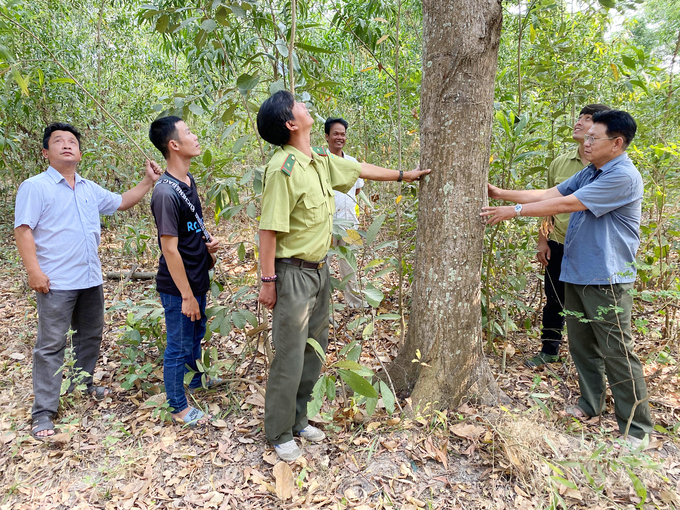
pixel 460 53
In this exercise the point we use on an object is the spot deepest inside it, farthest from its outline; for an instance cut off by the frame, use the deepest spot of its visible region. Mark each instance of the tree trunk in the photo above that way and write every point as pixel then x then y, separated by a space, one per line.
pixel 460 53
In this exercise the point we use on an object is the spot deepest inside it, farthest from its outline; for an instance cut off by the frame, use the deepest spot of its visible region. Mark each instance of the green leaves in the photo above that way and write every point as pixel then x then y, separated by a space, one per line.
pixel 245 83
pixel 162 23
pixel 373 296
pixel 358 383
pixel 209 25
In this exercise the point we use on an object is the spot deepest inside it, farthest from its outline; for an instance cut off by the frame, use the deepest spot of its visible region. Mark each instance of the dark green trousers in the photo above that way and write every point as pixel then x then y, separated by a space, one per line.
pixel 301 312
pixel 604 345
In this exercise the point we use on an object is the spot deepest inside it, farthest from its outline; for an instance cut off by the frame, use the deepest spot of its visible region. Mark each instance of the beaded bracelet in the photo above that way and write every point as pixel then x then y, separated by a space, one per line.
pixel 268 279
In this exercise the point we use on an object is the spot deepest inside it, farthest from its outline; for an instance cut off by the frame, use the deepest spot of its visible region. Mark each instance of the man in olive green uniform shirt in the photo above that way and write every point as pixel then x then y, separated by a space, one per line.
pixel 551 248
pixel 295 234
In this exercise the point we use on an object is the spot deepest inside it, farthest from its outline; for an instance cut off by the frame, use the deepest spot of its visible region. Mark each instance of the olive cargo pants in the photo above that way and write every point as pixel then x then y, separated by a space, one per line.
pixel 301 312
pixel 604 345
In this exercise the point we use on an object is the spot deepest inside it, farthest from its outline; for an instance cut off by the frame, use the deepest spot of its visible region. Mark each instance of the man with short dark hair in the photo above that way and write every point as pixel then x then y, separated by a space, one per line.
pixel 605 200
pixel 295 234
pixel 57 230
pixel 335 130
pixel 187 254
pixel 551 242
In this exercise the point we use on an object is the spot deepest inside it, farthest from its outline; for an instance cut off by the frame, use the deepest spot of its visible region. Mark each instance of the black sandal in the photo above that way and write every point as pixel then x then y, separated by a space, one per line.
pixel 40 424
pixel 99 392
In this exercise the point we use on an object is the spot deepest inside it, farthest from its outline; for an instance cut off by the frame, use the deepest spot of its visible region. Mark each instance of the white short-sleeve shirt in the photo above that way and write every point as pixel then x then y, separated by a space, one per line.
pixel 346 202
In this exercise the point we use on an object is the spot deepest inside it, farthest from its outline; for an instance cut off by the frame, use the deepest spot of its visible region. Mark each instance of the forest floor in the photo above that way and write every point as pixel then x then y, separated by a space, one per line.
pixel 120 454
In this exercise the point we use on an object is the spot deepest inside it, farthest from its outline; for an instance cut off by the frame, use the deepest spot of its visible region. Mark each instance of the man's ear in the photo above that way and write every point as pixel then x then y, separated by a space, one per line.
pixel 44 153
pixel 173 144
pixel 291 125
pixel 618 143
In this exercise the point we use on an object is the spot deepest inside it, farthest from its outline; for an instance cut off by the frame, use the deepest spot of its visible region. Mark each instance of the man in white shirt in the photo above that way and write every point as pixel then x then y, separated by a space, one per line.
pixel 345 205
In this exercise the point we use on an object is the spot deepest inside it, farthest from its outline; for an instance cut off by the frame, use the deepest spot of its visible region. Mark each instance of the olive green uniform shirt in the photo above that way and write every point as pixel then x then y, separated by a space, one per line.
pixel 298 201
pixel 562 167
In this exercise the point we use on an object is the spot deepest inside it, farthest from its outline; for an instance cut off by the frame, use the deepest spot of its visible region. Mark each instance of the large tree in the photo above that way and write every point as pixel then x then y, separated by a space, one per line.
pixel 460 53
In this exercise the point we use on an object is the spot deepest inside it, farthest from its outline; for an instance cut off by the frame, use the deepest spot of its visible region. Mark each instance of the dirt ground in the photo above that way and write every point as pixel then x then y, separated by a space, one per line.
pixel 120 454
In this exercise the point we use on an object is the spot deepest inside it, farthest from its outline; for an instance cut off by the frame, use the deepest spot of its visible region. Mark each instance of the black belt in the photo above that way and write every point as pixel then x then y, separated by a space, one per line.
pixel 303 263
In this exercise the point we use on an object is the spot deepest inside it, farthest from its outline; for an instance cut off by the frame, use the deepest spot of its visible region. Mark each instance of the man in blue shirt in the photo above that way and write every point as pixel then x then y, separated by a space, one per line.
pixel 56 225
pixel 605 200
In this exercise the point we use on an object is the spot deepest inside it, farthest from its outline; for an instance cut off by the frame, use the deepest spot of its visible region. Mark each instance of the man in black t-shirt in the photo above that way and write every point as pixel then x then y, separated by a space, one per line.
pixel 188 253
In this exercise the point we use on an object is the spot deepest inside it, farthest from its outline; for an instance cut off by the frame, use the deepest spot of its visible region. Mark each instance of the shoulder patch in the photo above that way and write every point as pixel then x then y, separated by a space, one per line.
pixel 287 167
pixel 320 151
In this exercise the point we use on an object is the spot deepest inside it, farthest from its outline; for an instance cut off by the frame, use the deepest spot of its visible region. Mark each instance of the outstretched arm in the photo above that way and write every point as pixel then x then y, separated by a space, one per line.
pixel 522 196
pixel 547 207
pixel 132 196
pixel 378 173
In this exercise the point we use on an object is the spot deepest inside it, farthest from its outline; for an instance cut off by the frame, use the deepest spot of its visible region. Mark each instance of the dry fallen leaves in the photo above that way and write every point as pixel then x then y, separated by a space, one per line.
pixel 284 481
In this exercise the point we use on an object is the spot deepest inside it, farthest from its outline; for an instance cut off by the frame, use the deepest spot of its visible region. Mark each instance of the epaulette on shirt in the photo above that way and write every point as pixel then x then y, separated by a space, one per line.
pixel 287 167
pixel 320 151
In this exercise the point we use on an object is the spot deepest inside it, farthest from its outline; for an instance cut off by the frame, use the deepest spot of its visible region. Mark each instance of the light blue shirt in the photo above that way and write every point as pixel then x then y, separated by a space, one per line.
pixel 602 241
pixel 65 225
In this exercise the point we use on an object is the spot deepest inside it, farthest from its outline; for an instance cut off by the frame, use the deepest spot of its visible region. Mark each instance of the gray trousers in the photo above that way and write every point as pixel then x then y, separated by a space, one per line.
pixel 301 312
pixel 604 345
pixel 83 311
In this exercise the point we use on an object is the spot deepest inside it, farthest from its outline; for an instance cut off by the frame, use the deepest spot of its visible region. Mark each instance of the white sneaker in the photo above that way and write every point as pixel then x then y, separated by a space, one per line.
pixel 288 451
pixel 311 433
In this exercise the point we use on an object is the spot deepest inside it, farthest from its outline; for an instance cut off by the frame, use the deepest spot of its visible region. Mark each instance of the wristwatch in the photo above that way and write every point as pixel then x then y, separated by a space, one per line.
pixel 518 210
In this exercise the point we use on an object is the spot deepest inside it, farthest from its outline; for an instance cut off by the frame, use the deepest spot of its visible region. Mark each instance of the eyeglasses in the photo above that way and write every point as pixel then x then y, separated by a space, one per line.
pixel 592 139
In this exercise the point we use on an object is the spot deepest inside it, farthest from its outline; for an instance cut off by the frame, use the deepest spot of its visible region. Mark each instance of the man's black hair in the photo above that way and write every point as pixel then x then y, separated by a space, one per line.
pixel 59 126
pixel 273 115
pixel 334 120
pixel 162 131
pixel 591 109
pixel 618 123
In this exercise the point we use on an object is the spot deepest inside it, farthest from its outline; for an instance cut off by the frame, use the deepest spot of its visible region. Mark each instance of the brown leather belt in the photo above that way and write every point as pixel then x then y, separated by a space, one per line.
pixel 303 263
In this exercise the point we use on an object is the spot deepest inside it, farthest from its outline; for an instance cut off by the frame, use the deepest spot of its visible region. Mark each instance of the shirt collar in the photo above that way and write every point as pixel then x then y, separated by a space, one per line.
pixel 613 162
pixel 576 155
pixel 300 157
pixel 56 176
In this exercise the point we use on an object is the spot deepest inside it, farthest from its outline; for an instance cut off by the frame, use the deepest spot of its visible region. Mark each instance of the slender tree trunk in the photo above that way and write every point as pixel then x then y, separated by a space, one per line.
pixel 460 52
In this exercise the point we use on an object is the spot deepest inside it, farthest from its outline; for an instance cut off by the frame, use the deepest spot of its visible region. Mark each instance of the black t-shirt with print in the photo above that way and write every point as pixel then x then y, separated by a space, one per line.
pixel 174 218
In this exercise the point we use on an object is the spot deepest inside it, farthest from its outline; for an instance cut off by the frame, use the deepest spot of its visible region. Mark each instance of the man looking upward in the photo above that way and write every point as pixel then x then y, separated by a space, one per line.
pixel 345 204
pixel 295 234
pixel 57 229
pixel 187 254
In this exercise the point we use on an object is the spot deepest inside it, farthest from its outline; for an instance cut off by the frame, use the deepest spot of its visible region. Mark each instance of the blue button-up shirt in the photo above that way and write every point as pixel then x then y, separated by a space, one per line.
pixel 65 225
pixel 602 241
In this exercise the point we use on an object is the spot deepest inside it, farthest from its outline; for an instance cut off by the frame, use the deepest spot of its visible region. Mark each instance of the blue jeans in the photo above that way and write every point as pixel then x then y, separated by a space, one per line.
pixel 183 349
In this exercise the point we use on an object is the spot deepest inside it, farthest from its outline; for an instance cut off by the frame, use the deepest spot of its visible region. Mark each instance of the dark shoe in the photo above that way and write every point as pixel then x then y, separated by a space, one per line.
pixel 98 392
pixel 40 424
pixel 542 359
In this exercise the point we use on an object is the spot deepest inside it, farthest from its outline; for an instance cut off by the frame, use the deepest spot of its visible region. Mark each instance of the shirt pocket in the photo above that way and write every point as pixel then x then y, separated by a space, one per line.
pixel 89 210
pixel 315 209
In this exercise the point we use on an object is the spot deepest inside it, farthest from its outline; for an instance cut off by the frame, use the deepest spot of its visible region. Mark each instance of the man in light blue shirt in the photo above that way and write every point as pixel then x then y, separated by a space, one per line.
pixel 56 225
pixel 602 240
